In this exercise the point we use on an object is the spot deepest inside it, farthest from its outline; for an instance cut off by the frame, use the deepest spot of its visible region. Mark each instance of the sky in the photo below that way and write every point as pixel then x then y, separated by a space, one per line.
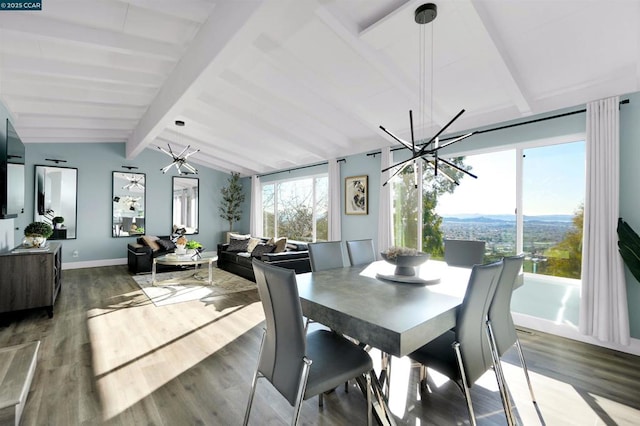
pixel 554 181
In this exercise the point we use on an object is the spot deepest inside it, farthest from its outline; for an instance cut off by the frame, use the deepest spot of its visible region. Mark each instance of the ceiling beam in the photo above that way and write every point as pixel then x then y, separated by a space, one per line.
pixel 502 62
pixel 223 36
pixel 33 26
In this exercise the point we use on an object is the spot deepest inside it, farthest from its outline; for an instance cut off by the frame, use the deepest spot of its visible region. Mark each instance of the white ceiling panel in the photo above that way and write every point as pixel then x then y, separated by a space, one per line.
pixel 265 85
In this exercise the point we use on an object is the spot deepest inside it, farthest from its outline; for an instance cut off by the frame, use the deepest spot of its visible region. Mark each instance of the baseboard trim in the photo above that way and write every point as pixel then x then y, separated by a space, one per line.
pixel 93 263
pixel 571 332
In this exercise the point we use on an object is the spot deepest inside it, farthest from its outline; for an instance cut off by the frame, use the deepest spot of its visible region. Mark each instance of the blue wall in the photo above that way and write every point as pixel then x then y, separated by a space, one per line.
pixel 629 195
pixel 95 163
pixel 366 227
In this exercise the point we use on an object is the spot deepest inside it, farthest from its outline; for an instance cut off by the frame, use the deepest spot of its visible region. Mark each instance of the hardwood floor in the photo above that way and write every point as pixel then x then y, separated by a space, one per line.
pixel 111 357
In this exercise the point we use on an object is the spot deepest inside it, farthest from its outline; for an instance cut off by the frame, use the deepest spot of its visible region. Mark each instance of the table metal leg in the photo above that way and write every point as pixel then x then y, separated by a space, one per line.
pixel 210 271
pixel 380 405
pixel 385 373
pixel 153 273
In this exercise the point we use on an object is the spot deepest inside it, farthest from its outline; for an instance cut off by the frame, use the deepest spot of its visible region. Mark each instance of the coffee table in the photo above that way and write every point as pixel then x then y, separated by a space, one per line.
pixel 207 257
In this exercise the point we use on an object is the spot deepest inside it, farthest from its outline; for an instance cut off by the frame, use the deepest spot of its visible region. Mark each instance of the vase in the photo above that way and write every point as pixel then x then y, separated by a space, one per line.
pixel 180 249
pixel 405 265
pixel 34 241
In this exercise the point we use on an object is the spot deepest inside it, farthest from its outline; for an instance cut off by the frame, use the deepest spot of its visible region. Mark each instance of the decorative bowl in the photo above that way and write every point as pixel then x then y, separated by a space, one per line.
pixel 405 264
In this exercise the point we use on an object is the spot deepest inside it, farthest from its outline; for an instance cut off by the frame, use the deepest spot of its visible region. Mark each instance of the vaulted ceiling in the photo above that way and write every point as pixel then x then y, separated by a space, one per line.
pixel 275 84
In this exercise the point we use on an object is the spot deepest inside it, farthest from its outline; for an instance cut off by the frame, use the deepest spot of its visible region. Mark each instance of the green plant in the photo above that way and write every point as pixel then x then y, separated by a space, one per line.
pixel 629 247
pixel 38 229
pixel 192 245
pixel 232 199
pixel 58 219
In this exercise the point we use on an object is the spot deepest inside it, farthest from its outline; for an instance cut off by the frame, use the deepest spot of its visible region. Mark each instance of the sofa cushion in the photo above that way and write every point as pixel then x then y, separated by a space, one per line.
pixel 234 236
pixel 150 241
pixel 236 246
pixel 253 242
pixel 280 243
pixel 261 249
pixel 166 244
pixel 293 245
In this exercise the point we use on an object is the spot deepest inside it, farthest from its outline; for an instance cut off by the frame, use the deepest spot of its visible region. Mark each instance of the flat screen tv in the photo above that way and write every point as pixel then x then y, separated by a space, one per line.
pixel 11 174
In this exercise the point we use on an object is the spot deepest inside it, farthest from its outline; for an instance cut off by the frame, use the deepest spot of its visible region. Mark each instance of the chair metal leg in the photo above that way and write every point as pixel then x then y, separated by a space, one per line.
pixel 254 382
pixel 502 382
pixel 526 370
pixel 301 389
pixel 369 402
pixel 465 385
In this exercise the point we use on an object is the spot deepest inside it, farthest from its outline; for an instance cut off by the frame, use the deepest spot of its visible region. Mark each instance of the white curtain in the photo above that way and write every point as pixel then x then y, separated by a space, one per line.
pixel 335 210
pixel 604 313
pixel 255 219
pixel 385 221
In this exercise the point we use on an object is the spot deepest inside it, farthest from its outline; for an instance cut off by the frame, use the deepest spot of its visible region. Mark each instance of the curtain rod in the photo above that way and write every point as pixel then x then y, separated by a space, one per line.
pixel 508 126
pixel 301 167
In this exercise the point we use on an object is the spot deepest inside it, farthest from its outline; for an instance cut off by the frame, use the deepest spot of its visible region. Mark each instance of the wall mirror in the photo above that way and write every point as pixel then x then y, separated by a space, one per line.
pixel 185 204
pixel 128 200
pixel 56 193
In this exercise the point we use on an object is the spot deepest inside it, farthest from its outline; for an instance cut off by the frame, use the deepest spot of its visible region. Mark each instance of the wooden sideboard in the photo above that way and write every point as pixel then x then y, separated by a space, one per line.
pixel 30 278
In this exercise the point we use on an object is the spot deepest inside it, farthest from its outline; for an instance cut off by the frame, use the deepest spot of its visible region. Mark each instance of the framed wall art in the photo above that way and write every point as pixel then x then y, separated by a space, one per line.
pixel 356 192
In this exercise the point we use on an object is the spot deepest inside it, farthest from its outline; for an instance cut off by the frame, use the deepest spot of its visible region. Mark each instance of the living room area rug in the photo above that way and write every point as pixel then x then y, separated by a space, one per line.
pixel 184 286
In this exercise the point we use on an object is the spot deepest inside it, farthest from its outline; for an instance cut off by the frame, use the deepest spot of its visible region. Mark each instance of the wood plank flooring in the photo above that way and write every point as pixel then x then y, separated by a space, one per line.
pixel 109 356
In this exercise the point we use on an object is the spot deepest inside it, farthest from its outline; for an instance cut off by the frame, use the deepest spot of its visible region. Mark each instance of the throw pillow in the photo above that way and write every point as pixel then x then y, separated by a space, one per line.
pixel 253 242
pixel 150 241
pixel 238 245
pixel 261 249
pixel 280 243
pixel 166 245
pixel 234 236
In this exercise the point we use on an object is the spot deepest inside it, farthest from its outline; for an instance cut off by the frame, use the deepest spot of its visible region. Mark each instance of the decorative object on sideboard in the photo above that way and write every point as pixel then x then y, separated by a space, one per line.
pixel 425 14
pixel 36 234
pixel 232 199
pixel 179 160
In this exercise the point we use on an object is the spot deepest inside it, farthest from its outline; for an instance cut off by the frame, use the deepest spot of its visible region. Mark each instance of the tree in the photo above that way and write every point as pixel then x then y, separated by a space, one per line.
pixel 407 206
pixel 565 258
pixel 232 199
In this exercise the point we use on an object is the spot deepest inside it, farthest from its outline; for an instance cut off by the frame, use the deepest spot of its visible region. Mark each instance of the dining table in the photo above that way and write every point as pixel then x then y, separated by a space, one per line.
pixel 393 313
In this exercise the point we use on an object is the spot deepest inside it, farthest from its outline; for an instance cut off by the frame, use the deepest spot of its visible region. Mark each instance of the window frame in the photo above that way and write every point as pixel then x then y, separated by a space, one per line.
pixel 277 182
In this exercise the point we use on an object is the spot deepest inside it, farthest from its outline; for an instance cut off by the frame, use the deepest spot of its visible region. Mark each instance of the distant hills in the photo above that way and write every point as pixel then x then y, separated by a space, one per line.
pixel 470 218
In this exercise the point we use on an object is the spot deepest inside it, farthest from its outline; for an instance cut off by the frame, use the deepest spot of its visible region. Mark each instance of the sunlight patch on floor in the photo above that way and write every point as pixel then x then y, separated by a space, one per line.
pixel 136 350
pixel 561 401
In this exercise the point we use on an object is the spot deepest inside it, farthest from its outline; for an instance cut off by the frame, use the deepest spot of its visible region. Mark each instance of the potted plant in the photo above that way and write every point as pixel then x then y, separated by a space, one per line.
pixel 36 234
pixel 57 222
pixel 193 245
pixel 232 199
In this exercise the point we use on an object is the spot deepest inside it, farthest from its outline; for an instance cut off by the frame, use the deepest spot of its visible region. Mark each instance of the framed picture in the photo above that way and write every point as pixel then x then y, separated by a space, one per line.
pixel 356 192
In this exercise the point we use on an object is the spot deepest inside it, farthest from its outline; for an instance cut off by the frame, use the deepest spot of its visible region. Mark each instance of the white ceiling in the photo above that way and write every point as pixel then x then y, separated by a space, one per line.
pixel 275 84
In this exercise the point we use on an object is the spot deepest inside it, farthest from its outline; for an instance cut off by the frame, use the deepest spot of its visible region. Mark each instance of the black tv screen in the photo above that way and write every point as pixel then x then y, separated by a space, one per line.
pixel 12 177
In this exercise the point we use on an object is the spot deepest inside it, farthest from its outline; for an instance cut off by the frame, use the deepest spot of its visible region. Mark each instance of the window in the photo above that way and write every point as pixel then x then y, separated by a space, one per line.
pixel 297 208
pixel 484 208
pixel 553 208
pixel 551 198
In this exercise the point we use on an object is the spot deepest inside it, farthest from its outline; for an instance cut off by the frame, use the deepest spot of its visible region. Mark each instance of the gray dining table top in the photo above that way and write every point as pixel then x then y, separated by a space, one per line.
pixel 395 317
